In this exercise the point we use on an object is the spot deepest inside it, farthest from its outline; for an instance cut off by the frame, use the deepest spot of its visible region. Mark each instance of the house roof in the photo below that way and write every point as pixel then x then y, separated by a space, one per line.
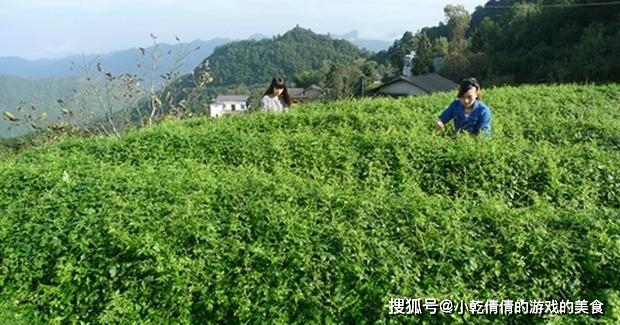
pixel 430 82
pixel 302 93
pixel 314 87
pixel 231 98
pixel 296 92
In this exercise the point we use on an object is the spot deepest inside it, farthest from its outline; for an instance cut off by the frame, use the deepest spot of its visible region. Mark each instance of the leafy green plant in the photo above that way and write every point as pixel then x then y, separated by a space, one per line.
pixel 320 215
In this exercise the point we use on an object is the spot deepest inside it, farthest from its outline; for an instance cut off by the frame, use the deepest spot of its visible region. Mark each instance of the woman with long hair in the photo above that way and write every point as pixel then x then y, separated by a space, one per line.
pixel 276 97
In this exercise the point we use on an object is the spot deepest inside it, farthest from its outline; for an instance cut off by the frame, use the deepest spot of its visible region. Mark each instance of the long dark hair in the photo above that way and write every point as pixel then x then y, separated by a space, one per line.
pixel 278 82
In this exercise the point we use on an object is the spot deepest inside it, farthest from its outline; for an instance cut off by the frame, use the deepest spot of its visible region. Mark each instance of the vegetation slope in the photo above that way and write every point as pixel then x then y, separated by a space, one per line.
pixel 321 215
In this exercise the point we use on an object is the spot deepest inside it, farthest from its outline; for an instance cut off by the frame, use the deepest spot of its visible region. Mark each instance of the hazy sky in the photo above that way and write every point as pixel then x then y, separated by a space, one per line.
pixel 35 29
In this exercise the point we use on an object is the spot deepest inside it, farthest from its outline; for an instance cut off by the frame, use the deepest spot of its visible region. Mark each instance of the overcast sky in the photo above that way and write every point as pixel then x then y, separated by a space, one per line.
pixel 34 29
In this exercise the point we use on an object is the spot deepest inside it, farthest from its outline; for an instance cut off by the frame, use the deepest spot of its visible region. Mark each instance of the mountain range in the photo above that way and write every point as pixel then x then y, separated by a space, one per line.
pixel 39 84
pixel 127 60
pixel 115 62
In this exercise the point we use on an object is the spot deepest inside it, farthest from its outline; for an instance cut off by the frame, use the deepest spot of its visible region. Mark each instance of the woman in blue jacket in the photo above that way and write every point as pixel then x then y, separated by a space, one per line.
pixel 469 113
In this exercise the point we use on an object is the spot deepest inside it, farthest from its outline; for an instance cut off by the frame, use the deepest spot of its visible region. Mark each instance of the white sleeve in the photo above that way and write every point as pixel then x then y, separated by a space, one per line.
pixel 264 103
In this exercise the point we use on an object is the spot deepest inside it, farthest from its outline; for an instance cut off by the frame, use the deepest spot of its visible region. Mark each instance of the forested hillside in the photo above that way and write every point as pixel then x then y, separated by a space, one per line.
pixel 551 44
pixel 297 50
pixel 514 42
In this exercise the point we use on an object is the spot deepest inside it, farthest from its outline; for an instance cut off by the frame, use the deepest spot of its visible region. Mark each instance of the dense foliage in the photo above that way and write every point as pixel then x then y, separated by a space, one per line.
pixel 321 215
pixel 546 41
pixel 553 44
pixel 297 50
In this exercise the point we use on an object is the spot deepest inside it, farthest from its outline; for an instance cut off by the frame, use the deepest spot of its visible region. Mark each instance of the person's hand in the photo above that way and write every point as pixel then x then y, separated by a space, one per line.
pixel 439 125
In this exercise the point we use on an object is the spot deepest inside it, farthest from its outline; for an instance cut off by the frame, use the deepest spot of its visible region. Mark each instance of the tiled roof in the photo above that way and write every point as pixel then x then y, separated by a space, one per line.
pixel 231 98
pixel 296 92
pixel 430 83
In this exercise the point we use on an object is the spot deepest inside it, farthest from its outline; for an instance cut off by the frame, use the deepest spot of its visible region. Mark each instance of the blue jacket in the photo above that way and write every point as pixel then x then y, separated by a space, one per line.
pixel 479 118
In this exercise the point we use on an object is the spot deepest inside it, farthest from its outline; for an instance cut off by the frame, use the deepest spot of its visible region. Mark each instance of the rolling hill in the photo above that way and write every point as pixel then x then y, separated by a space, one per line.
pixel 257 61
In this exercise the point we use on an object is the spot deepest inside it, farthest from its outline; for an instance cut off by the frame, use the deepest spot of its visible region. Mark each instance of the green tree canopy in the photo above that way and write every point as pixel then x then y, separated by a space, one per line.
pixel 298 50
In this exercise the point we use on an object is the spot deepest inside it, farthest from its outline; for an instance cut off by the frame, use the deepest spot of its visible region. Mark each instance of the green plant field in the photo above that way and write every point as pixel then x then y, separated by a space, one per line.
pixel 322 215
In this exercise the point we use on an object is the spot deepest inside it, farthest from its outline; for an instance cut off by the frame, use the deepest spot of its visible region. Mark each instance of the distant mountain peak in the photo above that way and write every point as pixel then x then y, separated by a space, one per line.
pixel 369 44
pixel 352 35
pixel 116 61
pixel 258 37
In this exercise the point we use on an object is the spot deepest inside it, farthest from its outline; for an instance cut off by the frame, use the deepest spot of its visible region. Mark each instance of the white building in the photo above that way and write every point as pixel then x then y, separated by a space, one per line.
pixel 226 104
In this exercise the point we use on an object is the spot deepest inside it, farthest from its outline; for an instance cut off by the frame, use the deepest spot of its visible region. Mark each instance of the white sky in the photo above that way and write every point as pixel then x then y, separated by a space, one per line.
pixel 34 29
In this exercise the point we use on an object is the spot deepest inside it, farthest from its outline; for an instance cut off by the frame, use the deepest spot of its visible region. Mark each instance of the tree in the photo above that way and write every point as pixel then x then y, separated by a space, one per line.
pixel 423 62
pixel 441 46
pixel 456 63
pixel 341 80
pixel 396 53
pixel 458 21
pixel 307 78
pixel 484 35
